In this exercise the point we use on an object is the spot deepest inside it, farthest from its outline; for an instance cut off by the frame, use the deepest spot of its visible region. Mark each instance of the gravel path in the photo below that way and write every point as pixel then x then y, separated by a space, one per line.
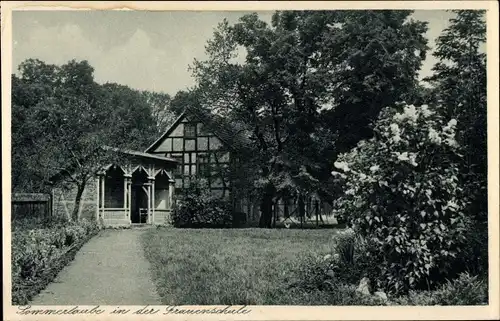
pixel 110 269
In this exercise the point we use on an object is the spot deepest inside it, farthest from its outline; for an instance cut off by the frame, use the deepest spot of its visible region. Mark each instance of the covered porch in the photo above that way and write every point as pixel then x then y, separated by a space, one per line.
pixel 138 192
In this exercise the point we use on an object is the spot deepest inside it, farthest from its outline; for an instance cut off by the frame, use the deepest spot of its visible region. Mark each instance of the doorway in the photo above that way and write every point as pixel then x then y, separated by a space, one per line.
pixel 139 198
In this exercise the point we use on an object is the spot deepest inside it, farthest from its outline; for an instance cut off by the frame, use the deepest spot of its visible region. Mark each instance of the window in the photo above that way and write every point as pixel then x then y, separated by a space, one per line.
pixel 177 145
pixel 203 165
pixel 178 169
pixel 189 130
pixel 189 144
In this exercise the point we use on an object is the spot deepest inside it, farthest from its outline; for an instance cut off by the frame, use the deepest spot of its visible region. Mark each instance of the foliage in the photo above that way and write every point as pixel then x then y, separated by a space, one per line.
pixel 402 194
pixel 60 120
pixel 301 75
pixel 38 252
pixel 459 81
pixel 198 207
pixel 335 277
pixel 464 290
pixel 161 111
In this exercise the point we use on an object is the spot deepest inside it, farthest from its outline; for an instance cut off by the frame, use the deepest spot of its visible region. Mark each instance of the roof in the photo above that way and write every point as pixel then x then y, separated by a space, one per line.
pixel 232 135
pixel 140 154
pixel 151 157
pixel 29 197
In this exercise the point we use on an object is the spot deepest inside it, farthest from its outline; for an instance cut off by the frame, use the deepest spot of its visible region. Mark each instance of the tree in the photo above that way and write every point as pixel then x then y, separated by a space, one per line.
pixel 182 100
pixel 61 121
pixel 459 82
pixel 160 109
pixel 354 62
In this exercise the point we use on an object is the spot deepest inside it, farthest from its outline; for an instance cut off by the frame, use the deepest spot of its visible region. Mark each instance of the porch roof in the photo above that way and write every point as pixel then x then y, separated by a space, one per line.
pixel 141 154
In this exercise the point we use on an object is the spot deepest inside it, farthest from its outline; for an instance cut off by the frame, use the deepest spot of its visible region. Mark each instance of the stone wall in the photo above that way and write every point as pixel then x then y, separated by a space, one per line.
pixel 116 218
pixel 64 201
pixel 162 217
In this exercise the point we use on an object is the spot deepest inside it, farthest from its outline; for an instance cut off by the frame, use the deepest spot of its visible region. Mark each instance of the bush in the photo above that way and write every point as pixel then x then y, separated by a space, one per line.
pixel 402 196
pixel 465 290
pixel 197 207
pixel 474 257
pixel 320 277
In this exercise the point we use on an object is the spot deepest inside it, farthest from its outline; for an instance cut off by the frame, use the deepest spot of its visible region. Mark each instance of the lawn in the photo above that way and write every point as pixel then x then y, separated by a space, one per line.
pixel 231 266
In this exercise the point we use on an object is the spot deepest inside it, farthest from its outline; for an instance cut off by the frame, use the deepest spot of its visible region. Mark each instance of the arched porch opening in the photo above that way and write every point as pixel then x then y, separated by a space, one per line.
pixel 140 197
pixel 114 189
pixel 163 197
pixel 112 195
pixel 162 186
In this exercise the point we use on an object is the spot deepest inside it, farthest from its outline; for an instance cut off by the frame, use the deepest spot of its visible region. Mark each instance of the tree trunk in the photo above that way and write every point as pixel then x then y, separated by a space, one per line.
pixel 316 209
pixel 266 207
pixel 75 216
pixel 275 213
pixel 302 212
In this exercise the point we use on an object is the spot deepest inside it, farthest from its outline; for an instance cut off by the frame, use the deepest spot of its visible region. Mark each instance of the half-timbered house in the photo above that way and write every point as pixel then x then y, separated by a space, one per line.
pixel 207 146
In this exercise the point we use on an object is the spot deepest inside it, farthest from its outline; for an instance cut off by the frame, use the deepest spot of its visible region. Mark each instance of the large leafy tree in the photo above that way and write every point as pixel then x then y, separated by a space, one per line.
pixel 310 85
pixel 61 119
pixel 160 104
pixel 459 81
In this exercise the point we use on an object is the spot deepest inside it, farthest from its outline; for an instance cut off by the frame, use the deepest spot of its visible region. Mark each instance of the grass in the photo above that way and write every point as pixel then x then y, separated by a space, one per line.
pixel 231 266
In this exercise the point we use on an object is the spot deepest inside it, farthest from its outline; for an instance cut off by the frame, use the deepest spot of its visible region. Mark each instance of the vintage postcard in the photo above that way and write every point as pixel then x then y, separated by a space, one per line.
pixel 250 160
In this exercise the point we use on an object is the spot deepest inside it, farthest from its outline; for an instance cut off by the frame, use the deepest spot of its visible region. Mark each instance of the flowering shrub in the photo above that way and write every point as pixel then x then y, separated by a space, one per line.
pixel 401 193
pixel 36 253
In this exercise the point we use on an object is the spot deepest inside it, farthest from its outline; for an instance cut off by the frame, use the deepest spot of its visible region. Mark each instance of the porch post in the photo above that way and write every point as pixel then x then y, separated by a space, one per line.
pixel 153 201
pixel 129 197
pixel 149 202
pixel 150 189
pixel 103 198
pixel 97 183
pixel 126 192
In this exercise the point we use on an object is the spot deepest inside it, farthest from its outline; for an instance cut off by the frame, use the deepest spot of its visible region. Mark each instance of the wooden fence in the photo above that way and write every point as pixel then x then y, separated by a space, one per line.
pixel 315 212
pixel 31 205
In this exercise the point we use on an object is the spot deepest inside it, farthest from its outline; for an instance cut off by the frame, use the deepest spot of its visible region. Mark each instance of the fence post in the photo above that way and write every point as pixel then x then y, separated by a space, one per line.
pixel 316 209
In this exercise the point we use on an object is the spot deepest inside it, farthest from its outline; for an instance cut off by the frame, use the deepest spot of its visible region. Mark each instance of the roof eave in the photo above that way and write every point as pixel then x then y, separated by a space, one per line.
pixel 166 133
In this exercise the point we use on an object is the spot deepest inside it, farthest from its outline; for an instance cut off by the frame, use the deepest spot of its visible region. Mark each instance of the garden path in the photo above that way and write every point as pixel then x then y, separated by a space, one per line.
pixel 110 269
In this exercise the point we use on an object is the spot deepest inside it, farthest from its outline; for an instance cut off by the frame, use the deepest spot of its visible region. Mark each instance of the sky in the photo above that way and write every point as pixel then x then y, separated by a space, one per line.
pixel 146 50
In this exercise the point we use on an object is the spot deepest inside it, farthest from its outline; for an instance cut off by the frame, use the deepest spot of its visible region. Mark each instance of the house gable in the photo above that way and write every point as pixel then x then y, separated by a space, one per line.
pixel 199 150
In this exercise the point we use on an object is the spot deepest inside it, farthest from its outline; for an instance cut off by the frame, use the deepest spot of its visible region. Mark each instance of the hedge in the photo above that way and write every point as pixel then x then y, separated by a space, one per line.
pixel 38 254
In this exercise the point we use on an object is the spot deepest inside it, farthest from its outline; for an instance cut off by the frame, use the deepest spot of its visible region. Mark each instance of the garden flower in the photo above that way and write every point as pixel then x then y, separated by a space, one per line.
pixel 451 125
pixel 342 165
pixel 394 128
pixel 426 112
pixel 434 136
pixel 403 156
